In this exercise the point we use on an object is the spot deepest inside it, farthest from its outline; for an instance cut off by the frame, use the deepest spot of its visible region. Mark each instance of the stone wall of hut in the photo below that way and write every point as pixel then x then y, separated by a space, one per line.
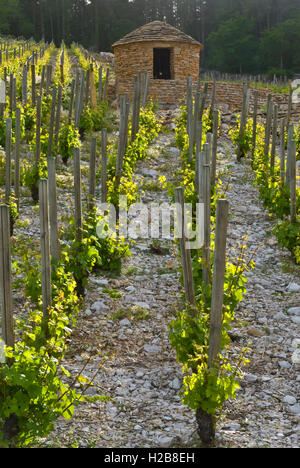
pixel 138 57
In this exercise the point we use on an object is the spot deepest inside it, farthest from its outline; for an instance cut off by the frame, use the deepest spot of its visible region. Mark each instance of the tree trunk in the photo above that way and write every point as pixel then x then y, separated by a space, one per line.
pixel 206 426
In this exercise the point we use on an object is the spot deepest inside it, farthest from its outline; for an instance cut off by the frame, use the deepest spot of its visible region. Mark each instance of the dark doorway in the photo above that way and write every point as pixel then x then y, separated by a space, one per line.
pixel 162 64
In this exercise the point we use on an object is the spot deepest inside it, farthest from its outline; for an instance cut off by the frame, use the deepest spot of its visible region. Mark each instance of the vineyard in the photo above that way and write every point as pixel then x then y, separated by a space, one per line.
pixel 122 340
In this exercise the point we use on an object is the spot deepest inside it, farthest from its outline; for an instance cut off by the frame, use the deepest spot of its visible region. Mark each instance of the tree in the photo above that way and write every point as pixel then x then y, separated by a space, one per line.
pixel 279 47
pixel 232 48
pixel 10 16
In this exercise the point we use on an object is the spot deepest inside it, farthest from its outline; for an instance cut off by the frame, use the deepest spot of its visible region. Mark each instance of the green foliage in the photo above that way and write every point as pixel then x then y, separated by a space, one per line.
pixel 32 174
pixel 136 150
pixel 79 258
pixel 239 36
pixel 111 250
pixel 68 140
pixel 242 142
pixel 203 387
pixel 274 194
pixel 278 46
pixel 288 235
pixel 34 386
pixel 94 119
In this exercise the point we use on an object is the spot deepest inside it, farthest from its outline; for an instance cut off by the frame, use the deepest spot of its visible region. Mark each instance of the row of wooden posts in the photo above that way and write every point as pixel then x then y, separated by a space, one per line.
pixel 18 51
pixel 46 79
pixel 11 87
pixel 205 178
pixel 241 78
pixel 288 173
pixel 141 87
pixel 49 240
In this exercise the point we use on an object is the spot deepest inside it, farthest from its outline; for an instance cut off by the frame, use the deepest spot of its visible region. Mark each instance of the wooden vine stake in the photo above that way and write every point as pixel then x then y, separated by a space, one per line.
pixel 214 147
pixel 17 156
pixel 24 85
pixel 77 187
pixel 288 162
pixel 292 158
pixel 100 74
pixel 207 214
pixel 205 421
pixel 189 106
pixel 45 247
pixel 145 92
pixel 254 132
pixel 195 115
pixel 290 102
pixel 274 136
pixel 218 281
pixel 38 129
pixel 186 260
pixel 87 88
pixel 203 100
pixel 136 106
pixel 198 159
pixel 105 88
pixel 123 135
pixel 104 166
pixel 268 126
pixel 72 96
pixel 79 100
pixel 8 160
pixel 54 242
pixel 282 150
pixel 5 278
pixel 33 84
pixel 92 181
pixel 93 88
pixel 51 124
pixel 57 117
pixel 2 97
pixel 243 120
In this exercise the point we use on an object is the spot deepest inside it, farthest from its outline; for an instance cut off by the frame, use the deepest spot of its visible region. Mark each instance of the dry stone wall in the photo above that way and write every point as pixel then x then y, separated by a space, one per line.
pixel 229 98
pixel 138 57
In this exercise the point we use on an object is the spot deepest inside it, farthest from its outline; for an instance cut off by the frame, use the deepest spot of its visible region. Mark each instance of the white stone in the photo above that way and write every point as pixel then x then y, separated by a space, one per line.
pixel 251 378
pixel 284 364
pixel 176 384
pixel 165 442
pixel 100 282
pixel 296 320
pixel 2 92
pixel 296 356
pixel 296 343
pixel 98 306
pixel 144 305
pixel 152 348
pixel 137 427
pixel 294 311
pixel 125 322
pixel 280 316
pixel 290 400
pixel 293 287
pixel 295 409
pixel 149 172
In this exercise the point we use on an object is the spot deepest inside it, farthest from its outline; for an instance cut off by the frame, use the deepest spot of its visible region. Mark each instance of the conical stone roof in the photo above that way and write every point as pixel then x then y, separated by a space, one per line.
pixel 156 31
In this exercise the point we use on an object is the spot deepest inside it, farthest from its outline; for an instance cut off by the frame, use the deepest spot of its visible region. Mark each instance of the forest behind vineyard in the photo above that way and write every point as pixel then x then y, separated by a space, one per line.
pixel 240 36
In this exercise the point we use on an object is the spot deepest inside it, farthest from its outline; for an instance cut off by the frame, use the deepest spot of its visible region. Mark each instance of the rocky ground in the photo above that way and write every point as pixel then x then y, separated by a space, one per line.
pixel 124 325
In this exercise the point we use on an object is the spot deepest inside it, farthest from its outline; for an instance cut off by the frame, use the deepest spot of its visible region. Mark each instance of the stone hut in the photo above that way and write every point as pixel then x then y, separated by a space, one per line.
pixel 167 54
